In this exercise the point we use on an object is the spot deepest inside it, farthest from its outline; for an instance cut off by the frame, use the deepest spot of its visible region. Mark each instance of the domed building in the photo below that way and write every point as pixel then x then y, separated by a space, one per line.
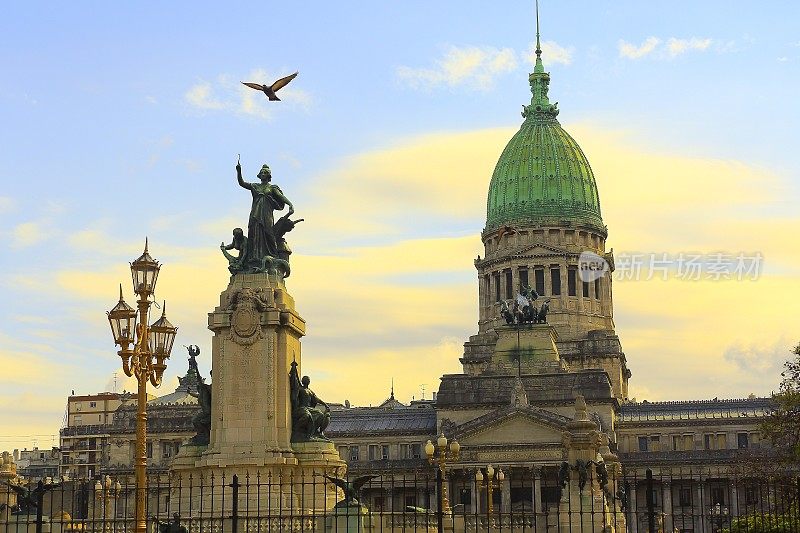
pixel 542 213
pixel 528 389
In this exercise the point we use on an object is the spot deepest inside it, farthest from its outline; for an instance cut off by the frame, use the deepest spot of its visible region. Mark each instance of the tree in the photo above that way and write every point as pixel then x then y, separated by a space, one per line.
pixel 782 426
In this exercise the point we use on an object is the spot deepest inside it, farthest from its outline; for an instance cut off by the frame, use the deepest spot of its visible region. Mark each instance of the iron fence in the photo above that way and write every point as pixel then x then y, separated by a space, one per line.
pixel 524 498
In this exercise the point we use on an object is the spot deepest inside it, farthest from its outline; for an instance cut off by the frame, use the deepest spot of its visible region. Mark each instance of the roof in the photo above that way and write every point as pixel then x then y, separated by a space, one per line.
pixel 696 409
pixel 417 419
pixel 542 176
pixel 183 394
pixel 458 391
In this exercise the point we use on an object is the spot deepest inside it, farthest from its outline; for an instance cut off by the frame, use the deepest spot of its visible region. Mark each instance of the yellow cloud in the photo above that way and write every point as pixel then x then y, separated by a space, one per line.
pixel 388 290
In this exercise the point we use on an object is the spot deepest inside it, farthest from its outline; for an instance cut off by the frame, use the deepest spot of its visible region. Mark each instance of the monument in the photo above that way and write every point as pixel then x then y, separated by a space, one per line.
pixel 259 419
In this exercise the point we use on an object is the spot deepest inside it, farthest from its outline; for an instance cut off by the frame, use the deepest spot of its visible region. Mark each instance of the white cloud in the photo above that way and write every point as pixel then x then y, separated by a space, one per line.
pixel 228 93
pixel 472 66
pixel 676 47
pixel 28 234
pixel 673 47
pixel 6 204
pixel 631 51
pixel 552 53
pixel 783 59
pixel 201 96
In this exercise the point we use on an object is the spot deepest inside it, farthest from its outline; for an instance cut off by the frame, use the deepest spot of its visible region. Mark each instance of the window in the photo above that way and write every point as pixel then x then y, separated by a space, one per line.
pixel 685 496
pixel 343 452
pixel 354 453
pixel 373 452
pixel 509 285
pixel 523 277
pixel 405 451
pixel 742 441
pixel 416 451
pixel 585 289
pixel 166 449
pixel 750 495
pixel 551 495
pixel 411 500
pixel 149 450
pixel 496 280
pixel 538 278
pixel 465 497
pixel 78 420
pixel 379 503
pixel 92 404
pixel 717 495
pixel 555 281
pixel 677 443
pixel 655 443
pixel 643 444
pixel 385 451
pixel 597 288
pixel 710 441
pixel 572 281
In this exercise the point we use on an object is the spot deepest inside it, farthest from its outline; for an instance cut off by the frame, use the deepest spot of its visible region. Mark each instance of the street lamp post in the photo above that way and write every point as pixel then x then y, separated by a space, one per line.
pixel 488 485
pixel 143 350
pixel 446 454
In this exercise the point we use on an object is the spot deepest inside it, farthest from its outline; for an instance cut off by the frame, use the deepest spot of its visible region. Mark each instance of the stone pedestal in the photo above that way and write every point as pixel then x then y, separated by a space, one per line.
pixel 257 335
pixel 534 344
pixel 348 519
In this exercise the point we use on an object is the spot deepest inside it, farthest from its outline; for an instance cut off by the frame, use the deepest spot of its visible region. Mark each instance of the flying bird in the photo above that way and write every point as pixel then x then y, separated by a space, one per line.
pixel 270 90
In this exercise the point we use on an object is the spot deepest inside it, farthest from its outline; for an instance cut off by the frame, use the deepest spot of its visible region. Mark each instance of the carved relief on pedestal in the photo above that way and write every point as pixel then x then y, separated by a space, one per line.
pixel 247 304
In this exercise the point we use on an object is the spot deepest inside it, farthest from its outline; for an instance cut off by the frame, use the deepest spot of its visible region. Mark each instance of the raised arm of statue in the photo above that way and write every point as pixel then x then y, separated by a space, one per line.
pixel 240 179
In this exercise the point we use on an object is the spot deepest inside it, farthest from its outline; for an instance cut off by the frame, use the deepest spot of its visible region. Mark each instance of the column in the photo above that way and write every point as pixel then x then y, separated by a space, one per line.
pixel 734 507
pixel 537 489
pixel 515 279
pixel 505 490
pixel 699 507
pixel 666 490
pixel 633 508
pixel 473 498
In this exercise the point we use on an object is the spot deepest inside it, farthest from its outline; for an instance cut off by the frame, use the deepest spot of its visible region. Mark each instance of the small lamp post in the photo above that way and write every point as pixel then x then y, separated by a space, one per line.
pixel 488 484
pixel 104 492
pixel 143 350
pixel 718 516
pixel 446 454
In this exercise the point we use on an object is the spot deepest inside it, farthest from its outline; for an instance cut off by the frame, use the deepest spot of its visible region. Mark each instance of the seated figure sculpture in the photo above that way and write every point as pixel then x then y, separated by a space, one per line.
pixel 308 420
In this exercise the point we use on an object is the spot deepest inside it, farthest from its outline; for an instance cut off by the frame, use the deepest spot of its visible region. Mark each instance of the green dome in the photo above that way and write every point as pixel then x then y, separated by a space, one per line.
pixel 542 175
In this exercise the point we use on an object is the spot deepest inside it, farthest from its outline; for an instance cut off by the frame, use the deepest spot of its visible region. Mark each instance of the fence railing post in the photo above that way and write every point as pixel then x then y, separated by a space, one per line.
pixel 651 511
pixel 440 501
pixel 39 505
pixel 235 504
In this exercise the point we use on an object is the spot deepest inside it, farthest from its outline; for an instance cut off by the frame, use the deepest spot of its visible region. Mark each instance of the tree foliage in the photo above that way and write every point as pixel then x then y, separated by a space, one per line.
pixel 786 522
pixel 782 426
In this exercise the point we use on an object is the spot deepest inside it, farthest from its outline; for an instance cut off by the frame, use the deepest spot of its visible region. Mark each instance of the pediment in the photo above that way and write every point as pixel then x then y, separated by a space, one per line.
pixel 539 249
pixel 512 425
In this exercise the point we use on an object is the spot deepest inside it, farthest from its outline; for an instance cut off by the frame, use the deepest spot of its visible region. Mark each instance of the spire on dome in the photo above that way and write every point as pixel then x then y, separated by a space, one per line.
pixel 540 106
pixel 539 65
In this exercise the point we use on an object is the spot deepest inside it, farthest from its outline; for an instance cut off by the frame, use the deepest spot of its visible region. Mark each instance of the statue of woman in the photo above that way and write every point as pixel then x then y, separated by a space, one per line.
pixel 261 239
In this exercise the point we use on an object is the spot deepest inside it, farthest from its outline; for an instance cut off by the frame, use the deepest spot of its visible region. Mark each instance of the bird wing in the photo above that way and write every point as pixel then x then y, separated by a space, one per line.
pixel 283 82
pixel 361 481
pixel 255 86
pixel 342 484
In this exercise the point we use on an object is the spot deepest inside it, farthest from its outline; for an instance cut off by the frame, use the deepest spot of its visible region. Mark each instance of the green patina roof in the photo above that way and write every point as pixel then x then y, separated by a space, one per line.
pixel 542 175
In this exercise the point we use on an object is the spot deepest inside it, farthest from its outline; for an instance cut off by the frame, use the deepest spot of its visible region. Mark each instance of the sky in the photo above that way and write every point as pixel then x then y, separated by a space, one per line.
pixel 122 121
